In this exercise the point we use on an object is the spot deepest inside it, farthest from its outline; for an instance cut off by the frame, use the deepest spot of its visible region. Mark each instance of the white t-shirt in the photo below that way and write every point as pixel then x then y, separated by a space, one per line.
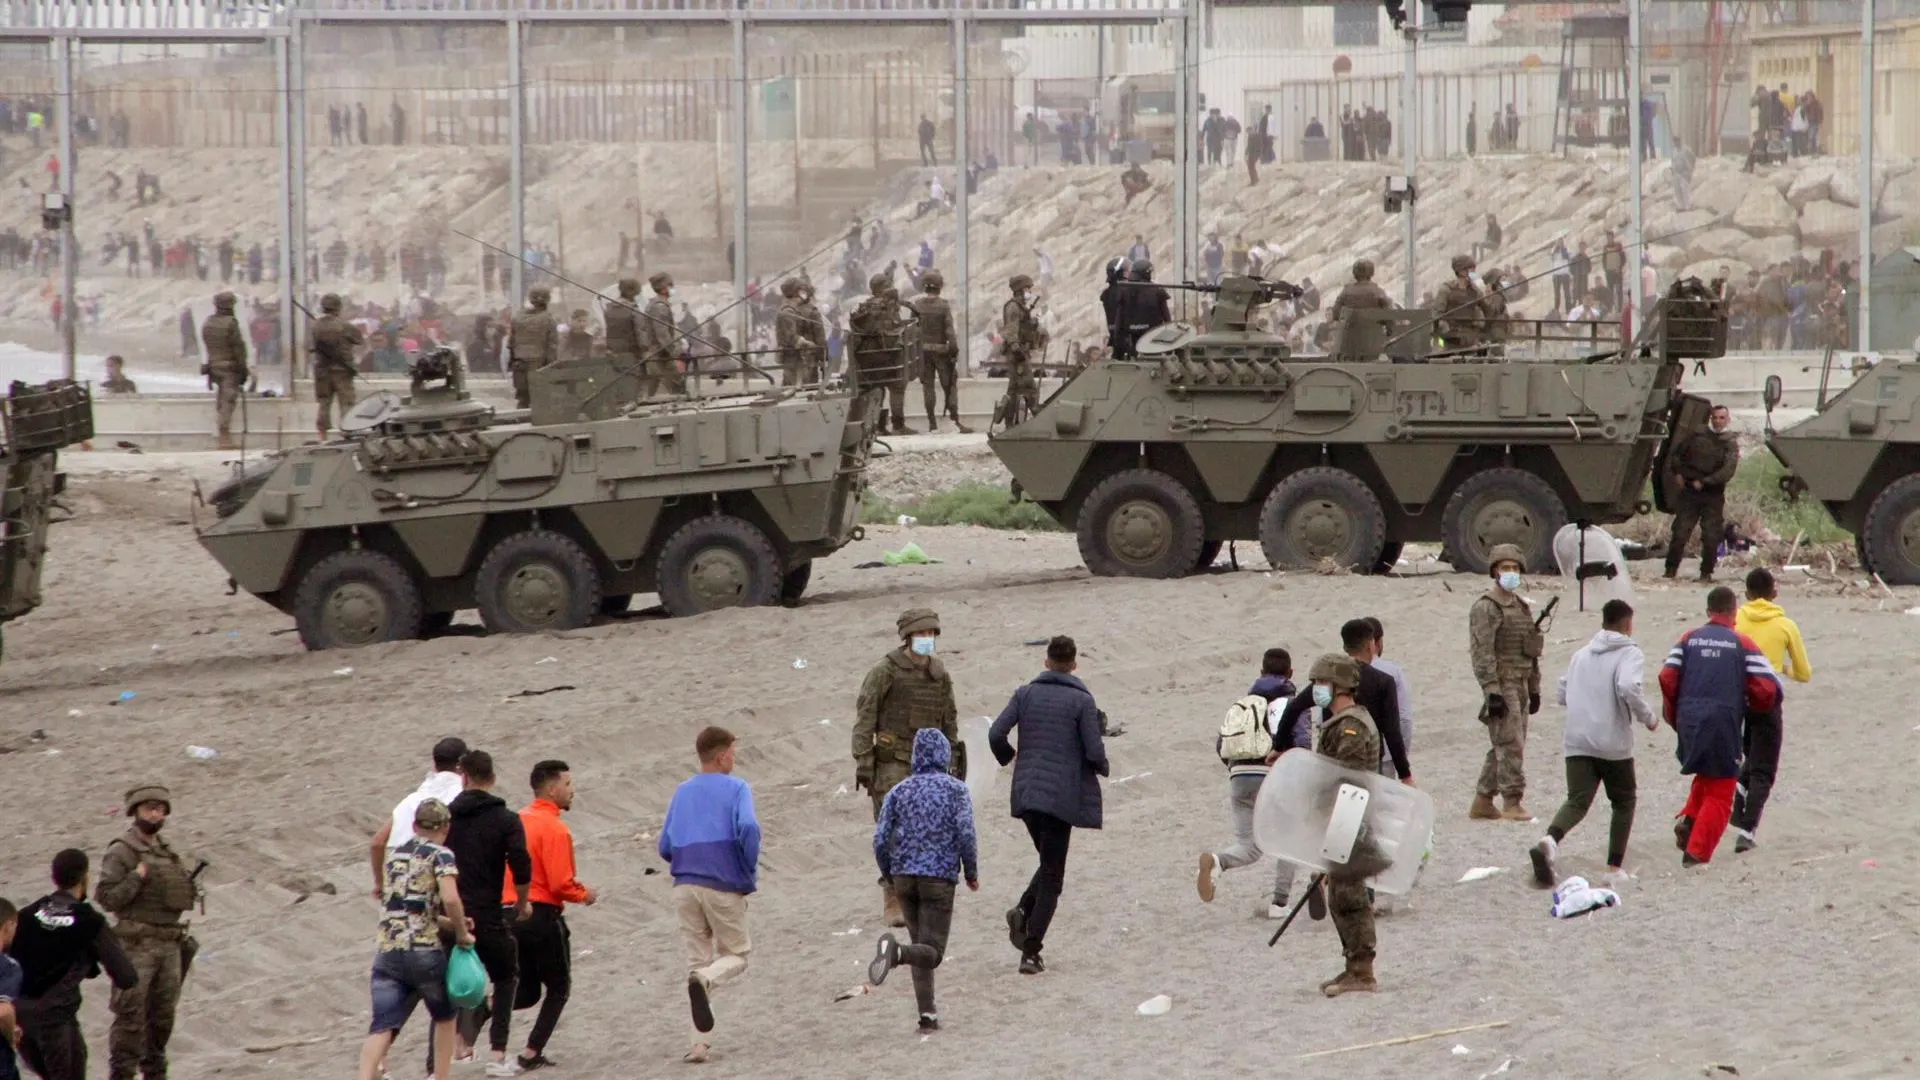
pixel 445 786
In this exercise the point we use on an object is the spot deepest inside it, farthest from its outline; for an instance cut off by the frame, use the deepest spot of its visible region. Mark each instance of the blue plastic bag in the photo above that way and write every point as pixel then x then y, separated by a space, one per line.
pixel 466 978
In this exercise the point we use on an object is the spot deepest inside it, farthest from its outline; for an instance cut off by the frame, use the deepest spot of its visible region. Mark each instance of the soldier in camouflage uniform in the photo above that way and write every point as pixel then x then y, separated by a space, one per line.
pixel 1348 736
pixel 813 331
pixel 1506 649
pixel 624 330
pixel 793 338
pixel 1361 292
pixel 879 350
pixel 906 691
pixel 1020 339
pixel 226 366
pixel 938 351
pixel 534 344
pixel 334 341
pixel 147 885
pixel 660 341
pixel 579 336
pixel 1462 308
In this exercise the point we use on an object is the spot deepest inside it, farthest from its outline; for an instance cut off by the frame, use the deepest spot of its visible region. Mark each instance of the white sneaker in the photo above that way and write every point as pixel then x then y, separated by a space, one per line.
pixel 508 1067
pixel 1276 911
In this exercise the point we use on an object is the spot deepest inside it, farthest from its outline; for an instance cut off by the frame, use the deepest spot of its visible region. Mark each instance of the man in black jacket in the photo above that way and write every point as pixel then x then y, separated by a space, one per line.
pixel 1378 694
pixel 487 839
pixel 61 942
pixel 1056 786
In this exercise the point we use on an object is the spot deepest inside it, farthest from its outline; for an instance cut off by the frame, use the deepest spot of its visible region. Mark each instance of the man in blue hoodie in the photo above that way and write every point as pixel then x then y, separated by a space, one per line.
pixel 712 842
pixel 923 839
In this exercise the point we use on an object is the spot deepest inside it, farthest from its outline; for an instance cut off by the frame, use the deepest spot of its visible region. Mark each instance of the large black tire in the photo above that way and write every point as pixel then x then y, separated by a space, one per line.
pixel 715 562
pixel 1891 538
pixel 1861 554
pixel 1322 513
pixel 537 580
pixel 1389 557
pixel 794 585
pixel 1502 506
pixel 354 598
pixel 1141 523
pixel 1209 552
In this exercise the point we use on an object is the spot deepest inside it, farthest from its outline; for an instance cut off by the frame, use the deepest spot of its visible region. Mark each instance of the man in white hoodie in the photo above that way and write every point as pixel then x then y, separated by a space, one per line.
pixel 1602 693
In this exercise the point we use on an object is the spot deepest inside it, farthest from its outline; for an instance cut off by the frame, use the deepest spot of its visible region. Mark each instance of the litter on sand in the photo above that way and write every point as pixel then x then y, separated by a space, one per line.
pixel 1574 897
pixel 537 693
pixel 1131 776
pixel 202 753
pixel 859 991
pixel 1460 1050
pixel 852 931
pixel 910 555
pixel 1479 873
pixel 1504 1067
pixel 125 695
pixel 1158 1005
pixel 799 663
pixel 343 671
pixel 547 660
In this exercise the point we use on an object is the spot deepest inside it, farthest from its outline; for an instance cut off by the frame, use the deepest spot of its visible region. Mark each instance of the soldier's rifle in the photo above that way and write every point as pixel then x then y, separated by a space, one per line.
pixel 302 309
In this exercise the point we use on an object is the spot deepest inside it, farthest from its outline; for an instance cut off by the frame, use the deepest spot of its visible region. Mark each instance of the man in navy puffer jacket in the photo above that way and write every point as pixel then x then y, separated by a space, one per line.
pixel 924 838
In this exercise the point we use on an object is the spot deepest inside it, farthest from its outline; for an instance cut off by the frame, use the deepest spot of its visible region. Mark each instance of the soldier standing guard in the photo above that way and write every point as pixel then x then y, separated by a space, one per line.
pixel 226 366
pixel 624 333
pixel 660 341
pixel 1462 307
pixel 1020 338
pixel 790 336
pixel 1506 647
pixel 937 352
pixel 813 331
pixel 907 690
pixel 579 336
pixel 147 885
pixel 535 344
pixel 334 341
pixel 1361 292
pixel 1347 736
pixel 880 350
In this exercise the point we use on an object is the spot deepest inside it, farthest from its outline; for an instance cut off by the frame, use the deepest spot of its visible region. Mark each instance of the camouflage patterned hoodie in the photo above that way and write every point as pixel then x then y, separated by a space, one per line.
pixel 926 823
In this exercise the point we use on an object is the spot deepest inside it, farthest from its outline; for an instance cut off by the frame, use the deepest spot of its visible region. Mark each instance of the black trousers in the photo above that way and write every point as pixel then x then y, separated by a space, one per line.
pixel 927 904
pixel 1050 838
pixel 1760 753
pixel 1706 509
pixel 495 944
pixel 546 975
pixel 50 1040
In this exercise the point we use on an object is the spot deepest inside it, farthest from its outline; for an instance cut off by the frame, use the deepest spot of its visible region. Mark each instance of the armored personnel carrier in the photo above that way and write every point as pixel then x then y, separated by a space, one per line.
pixel 1340 459
pixel 1859 455
pixel 35 423
pixel 434 503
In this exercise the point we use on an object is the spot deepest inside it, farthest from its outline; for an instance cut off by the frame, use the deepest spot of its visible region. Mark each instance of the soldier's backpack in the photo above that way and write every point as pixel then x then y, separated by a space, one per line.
pixel 1243 732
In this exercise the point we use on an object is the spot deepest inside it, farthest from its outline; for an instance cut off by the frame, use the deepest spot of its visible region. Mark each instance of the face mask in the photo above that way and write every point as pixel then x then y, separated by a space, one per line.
pixel 1474 277
pixel 923 646
pixel 1510 580
pixel 1322 695
pixel 148 827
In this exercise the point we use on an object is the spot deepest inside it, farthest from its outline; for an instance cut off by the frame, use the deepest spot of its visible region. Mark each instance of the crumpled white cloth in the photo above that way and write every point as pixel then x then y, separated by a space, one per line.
pixel 1575 897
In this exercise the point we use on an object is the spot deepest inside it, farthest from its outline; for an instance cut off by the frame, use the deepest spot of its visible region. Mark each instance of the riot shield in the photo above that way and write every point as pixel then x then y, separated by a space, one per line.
pixel 981 767
pixel 1592 565
pixel 1343 822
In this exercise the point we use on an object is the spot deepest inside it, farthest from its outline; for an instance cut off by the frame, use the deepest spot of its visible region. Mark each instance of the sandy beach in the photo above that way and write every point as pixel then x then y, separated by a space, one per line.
pixel 1787 962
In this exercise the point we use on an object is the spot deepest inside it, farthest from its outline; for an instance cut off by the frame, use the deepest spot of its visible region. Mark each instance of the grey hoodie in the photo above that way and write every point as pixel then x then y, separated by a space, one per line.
pixel 1601 691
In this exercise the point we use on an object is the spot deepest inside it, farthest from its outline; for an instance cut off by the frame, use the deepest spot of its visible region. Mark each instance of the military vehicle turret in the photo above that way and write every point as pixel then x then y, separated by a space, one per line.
pixel 1341 459
pixel 435 503
pixel 1859 455
pixel 35 423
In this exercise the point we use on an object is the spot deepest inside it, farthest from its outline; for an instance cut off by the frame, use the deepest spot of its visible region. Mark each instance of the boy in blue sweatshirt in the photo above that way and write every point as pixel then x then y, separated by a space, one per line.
pixel 712 841
pixel 923 840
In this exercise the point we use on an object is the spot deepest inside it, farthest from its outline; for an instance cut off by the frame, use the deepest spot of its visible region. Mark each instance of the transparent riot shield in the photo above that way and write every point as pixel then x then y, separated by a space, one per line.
pixel 1334 820
pixel 1592 565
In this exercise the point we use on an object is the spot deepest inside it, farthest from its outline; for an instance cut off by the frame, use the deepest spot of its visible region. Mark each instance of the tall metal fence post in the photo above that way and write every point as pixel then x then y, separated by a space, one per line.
pixel 516 161
pixel 1637 133
pixel 69 250
pixel 741 318
pixel 962 199
pixel 1410 155
pixel 283 118
pixel 1865 340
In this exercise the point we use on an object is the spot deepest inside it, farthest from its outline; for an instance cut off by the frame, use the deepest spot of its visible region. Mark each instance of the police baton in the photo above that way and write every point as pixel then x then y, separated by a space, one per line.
pixel 1298 904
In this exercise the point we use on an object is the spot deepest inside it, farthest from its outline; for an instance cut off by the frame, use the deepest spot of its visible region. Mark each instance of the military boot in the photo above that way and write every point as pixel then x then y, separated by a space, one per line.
pixel 957 425
pixel 933 422
pixel 1511 810
pixel 1357 979
pixel 323 434
pixel 1483 809
pixel 890 907
pixel 900 426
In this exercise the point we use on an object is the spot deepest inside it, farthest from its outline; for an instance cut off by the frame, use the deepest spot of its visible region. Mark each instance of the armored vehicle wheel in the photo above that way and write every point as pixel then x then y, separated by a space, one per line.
pixel 536 580
pixel 357 597
pixel 1389 557
pixel 716 562
pixel 1502 506
pixel 434 623
pixel 1209 551
pixel 615 604
pixel 1140 523
pixel 1860 554
pixel 794 585
pixel 1322 513
pixel 1892 534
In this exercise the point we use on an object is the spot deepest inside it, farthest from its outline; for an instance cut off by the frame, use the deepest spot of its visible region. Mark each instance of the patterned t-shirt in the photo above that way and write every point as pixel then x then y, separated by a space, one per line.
pixel 413 873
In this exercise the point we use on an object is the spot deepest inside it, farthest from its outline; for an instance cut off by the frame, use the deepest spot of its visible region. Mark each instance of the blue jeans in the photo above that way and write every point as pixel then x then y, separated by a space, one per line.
pixel 403 979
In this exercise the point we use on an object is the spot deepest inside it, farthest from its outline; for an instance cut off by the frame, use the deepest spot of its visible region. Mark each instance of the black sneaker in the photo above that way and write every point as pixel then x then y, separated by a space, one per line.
pixel 886 954
pixel 929 1022
pixel 1031 964
pixel 1689 860
pixel 1543 854
pixel 1682 832
pixel 1744 843
pixel 1316 902
pixel 1017 928
pixel 702 1007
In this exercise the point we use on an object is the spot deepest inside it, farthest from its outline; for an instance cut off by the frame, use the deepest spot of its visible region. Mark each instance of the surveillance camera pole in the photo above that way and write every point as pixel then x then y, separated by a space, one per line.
pixel 1410 151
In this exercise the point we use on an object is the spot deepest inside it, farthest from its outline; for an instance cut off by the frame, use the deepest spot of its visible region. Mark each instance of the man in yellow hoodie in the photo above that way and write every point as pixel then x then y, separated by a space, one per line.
pixel 1762 621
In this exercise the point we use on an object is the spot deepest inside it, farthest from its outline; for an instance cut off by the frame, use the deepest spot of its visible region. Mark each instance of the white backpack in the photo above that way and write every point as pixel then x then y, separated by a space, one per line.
pixel 1243 732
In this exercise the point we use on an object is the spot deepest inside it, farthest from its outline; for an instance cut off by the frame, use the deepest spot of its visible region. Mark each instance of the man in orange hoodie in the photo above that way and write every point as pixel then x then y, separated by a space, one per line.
pixel 545 946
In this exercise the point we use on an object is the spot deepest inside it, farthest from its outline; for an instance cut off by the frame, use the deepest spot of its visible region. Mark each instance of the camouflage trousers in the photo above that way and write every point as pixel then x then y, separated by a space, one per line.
pixel 143 1014
pixel 1022 386
pixel 800 368
pixel 943 370
pixel 885 775
pixel 227 388
pixel 331 384
pixel 1504 770
pixel 1352 917
pixel 661 374
pixel 522 390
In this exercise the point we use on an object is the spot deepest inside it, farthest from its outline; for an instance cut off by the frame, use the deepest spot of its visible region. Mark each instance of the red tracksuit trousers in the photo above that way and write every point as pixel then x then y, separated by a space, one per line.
pixel 1710 805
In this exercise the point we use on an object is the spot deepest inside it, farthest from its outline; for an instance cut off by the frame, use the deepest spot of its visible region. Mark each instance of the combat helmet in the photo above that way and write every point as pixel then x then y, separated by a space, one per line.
pixel 1338 670
pixel 790 288
pixel 1142 270
pixel 1363 270
pixel 661 280
pixel 223 302
pixel 1116 268
pixel 1463 263
pixel 146 793
pixel 330 303
pixel 917 621
pixel 1020 283
pixel 629 288
pixel 879 284
pixel 932 281
pixel 538 296
pixel 1500 553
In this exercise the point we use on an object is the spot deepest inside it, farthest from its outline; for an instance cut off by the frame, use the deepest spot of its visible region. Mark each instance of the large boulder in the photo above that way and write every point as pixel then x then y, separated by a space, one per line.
pixel 1722 193
pixel 1717 244
pixel 1845 189
pixel 1767 251
pixel 1810 184
pixel 1765 212
pixel 1827 224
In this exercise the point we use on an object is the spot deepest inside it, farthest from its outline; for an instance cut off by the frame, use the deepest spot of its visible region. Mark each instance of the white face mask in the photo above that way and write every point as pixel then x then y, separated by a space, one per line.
pixel 1510 580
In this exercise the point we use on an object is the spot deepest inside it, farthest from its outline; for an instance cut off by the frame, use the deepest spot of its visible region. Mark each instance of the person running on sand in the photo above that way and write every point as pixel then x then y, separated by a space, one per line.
pixel 711 840
pixel 924 838
pixel 1247 770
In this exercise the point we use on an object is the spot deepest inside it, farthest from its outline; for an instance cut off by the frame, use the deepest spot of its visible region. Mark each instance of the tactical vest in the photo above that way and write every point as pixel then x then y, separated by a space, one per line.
pixel 1361 750
pixel 226 350
pixel 1017 327
pixel 623 331
pixel 914 699
pixel 657 330
pixel 1516 644
pixel 812 328
pixel 786 327
pixel 166 894
pixel 935 321
pixel 1702 454
pixel 530 334
pixel 332 346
